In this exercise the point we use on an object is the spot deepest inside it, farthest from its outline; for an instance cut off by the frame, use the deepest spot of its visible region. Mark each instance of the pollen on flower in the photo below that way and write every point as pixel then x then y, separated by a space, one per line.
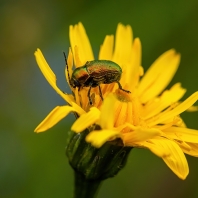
pixel 122 96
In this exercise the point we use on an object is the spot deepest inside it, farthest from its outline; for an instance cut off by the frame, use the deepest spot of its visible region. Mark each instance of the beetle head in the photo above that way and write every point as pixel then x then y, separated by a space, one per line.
pixel 79 77
pixel 74 82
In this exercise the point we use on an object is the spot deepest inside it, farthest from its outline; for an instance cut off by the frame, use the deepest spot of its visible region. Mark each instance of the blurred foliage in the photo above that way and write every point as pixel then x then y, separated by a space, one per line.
pixel 34 165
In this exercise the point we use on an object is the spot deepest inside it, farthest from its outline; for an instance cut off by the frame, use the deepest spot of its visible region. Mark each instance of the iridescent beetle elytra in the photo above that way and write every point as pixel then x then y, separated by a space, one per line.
pixel 94 73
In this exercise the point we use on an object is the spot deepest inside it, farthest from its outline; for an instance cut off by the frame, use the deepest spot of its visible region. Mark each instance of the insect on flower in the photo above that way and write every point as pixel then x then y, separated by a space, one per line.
pixel 94 73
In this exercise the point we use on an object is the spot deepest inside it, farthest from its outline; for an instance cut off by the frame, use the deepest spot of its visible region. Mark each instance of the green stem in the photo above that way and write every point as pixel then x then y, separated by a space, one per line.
pixel 85 188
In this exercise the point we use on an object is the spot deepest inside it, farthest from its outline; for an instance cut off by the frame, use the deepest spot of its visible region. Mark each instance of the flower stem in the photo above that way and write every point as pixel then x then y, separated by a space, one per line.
pixel 93 165
pixel 85 188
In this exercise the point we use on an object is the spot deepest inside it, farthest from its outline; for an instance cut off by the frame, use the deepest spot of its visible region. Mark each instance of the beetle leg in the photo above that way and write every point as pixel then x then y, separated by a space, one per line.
pixel 89 96
pixel 100 92
pixel 120 87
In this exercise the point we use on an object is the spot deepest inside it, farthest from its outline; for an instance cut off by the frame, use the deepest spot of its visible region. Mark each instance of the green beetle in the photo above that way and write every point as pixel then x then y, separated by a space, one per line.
pixel 94 73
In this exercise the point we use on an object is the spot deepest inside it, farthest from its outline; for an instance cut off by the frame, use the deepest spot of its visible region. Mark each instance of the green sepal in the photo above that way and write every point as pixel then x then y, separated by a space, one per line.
pixel 96 163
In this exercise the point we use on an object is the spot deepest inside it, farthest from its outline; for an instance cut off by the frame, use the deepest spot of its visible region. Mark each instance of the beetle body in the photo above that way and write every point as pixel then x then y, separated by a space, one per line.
pixel 94 73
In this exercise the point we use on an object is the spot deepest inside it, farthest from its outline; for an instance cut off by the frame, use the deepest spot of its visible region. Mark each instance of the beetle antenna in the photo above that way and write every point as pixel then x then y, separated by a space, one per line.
pixel 67 67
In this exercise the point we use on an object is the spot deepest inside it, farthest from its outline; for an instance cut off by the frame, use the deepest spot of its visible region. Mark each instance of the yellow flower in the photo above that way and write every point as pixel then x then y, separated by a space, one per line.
pixel 149 117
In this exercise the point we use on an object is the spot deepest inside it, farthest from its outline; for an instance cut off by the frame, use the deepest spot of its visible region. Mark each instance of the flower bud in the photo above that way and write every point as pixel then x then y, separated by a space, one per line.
pixel 96 163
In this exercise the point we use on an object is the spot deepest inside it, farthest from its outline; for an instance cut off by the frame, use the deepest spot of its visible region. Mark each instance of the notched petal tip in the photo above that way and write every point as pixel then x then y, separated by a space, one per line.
pixel 78 37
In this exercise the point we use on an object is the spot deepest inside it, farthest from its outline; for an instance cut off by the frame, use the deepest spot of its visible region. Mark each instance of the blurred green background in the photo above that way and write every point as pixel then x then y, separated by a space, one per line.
pixel 34 165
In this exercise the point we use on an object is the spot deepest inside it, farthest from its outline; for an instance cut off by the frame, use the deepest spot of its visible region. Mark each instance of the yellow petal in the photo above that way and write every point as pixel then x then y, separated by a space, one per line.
pixel 123 44
pixel 70 65
pixel 175 121
pixel 193 151
pixel 78 62
pixel 77 108
pixel 140 134
pixel 177 161
pixel 158 75
pixel 78 37
pixel 157 150
pixel 131 77
pixel 98 138
pixel 106 49
pixel 107 112
pixel 183 145
pixel 121 115
pixel 57 114
pixel 49 75
pixel 183 134
pixel 167 98
pixel 192 109
pixel 86 120
pixel 176 111
pixel 174 158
